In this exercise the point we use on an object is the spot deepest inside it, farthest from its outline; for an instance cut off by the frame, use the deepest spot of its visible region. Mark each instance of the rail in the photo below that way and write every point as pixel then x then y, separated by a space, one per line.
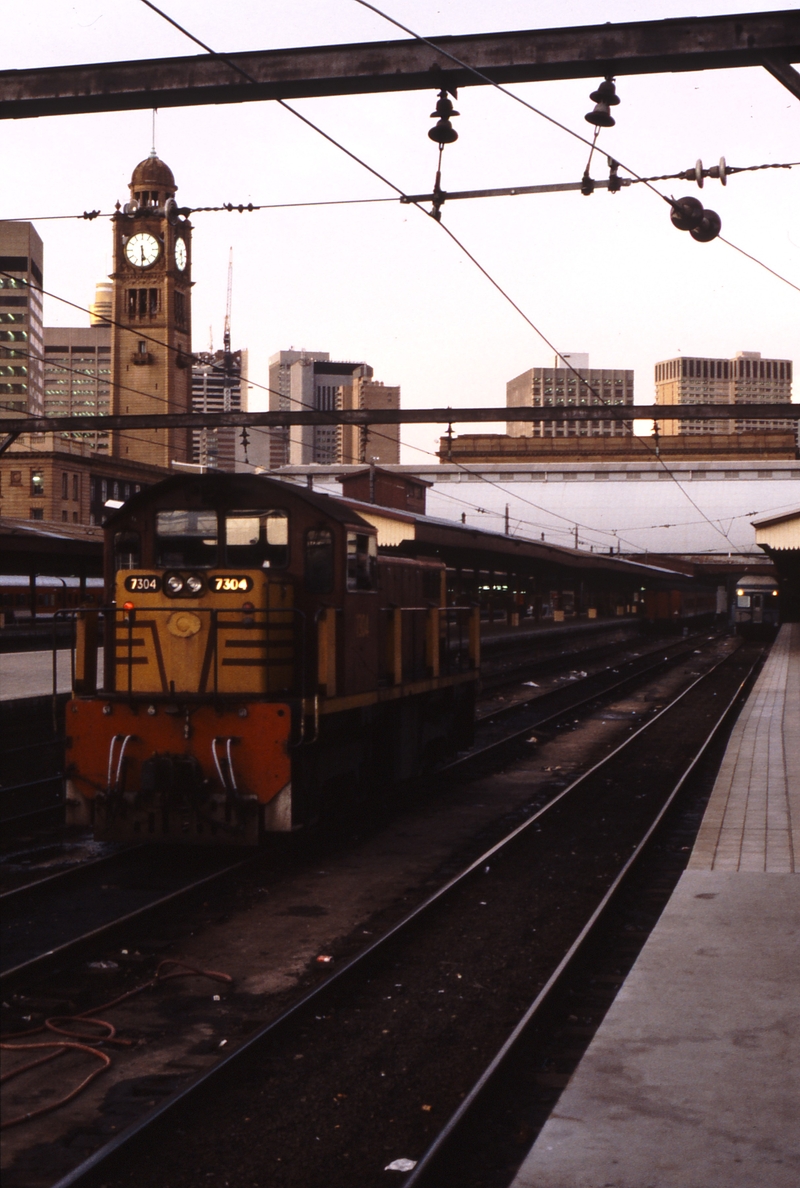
pixel 106 1161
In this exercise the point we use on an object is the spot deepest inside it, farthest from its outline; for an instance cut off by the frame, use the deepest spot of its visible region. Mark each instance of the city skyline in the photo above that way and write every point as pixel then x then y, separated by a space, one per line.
pixel 608 273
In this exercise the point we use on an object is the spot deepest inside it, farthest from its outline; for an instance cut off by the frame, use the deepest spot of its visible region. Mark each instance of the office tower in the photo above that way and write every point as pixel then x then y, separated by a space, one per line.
pixel 577 385
pixel 280 367
pixel 151 334
pixel 21 335
pixel 379 443
pixel 744 379
pixel 77 377
pixel 101 309
pixel 311 380
pixel 218 385
pixel 324 385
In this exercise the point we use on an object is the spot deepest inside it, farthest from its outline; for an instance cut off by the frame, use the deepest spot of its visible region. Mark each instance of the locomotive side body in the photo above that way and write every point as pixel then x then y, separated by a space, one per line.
pixel 261 666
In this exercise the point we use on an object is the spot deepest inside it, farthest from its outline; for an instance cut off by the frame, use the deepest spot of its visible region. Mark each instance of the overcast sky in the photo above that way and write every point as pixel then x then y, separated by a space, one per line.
pixel 607 274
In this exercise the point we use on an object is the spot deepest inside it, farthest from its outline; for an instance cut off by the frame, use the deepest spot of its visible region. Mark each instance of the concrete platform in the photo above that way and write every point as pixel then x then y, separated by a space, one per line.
pixel 30 674
pixel 692 1079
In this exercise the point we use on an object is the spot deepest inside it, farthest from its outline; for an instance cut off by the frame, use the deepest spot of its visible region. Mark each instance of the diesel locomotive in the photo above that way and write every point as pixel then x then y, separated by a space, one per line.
pixel 261 665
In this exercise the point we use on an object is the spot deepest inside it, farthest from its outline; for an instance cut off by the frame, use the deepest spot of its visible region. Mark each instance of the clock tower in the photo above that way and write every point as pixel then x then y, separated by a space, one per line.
pixel 151 366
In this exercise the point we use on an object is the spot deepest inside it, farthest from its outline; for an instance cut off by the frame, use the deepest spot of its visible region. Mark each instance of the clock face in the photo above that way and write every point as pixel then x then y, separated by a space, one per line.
pixel 180 254
pixel 142 249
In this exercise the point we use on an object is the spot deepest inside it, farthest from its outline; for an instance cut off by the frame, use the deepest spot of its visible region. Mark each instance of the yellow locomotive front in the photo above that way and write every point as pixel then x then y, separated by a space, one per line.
pixel 193 741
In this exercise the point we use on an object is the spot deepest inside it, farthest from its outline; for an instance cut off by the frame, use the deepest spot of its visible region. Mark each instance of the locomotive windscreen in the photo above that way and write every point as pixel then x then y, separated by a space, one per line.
pixel 257 539
pixel 186 537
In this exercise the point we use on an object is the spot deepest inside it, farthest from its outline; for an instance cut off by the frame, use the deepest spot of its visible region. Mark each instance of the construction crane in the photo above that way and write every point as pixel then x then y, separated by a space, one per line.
pixel 227 357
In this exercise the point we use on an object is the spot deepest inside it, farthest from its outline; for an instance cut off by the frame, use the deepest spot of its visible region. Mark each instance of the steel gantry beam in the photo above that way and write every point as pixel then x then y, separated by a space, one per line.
pixel 14 426
pixel 769 39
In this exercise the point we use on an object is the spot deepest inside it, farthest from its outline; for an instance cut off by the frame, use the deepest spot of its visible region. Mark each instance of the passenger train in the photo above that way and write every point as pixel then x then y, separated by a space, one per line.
pixel 756 606
pixel 261 664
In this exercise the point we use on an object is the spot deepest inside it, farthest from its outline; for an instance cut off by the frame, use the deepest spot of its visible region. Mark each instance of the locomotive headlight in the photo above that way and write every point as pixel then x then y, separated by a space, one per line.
pixel 174 583
pixel 194 584
pixel 740 592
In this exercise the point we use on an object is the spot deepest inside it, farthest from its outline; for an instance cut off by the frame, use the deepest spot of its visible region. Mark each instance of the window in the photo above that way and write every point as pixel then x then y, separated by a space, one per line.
pixel 362 559
pixel 16 478
pixel 64 516
pixel 180 310
pixel 65 486
pixel 127 550
pixel 37 482
pixel 319 561
pixel 37 513
pixel 186 538
pixel 257 538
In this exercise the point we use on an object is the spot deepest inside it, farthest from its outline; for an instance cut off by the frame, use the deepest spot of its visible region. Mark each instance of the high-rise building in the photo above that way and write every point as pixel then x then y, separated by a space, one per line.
pixel 280 369
pixel 575 385
pixel 381 443
pixel 310 379
pixel 151 331
pixel 102 308
pixel 218 385
pixel 77 377
pixel 21 333
pixel 327 386
pixel 744 379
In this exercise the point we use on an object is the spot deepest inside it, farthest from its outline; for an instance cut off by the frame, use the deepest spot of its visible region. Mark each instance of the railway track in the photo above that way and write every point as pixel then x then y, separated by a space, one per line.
pixel 501 727
pixel 45 923
pixel 404 1041
pixel 41 928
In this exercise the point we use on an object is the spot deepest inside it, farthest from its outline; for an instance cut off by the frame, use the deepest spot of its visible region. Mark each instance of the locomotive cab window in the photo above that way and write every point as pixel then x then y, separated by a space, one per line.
pixel 362 561
pixel 186 537
pixel 319 561
pixel 127 550
pixel 257 539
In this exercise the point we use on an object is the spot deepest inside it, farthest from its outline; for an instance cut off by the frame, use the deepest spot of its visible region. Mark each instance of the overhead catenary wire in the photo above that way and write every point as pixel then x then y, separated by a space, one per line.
pixel 130 436
pixel 398 190
pixel 506 191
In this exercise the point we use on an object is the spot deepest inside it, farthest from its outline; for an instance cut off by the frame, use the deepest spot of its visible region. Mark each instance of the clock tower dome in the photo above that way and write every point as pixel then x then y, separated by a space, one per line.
pixel 151 367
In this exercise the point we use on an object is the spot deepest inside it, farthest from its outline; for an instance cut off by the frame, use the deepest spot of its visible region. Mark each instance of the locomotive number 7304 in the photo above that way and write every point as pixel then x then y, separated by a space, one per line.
pixel 232 583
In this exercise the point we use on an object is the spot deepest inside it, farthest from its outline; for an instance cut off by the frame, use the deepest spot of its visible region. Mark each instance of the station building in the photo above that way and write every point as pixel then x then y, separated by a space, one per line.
pixel 701 507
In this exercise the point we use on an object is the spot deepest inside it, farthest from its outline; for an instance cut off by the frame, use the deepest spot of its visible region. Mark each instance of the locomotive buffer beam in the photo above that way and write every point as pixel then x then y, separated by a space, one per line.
pixel 770 40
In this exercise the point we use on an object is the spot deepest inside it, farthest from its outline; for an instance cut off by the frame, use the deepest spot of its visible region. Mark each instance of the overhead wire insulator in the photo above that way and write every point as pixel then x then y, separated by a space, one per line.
pixel 614 179
pixel 689 214
pixel 443 132
pixel 604 98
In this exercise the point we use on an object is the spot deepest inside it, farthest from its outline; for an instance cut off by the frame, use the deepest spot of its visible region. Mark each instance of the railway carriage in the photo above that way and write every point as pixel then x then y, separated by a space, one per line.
pixel 262 665
pixel 755 609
